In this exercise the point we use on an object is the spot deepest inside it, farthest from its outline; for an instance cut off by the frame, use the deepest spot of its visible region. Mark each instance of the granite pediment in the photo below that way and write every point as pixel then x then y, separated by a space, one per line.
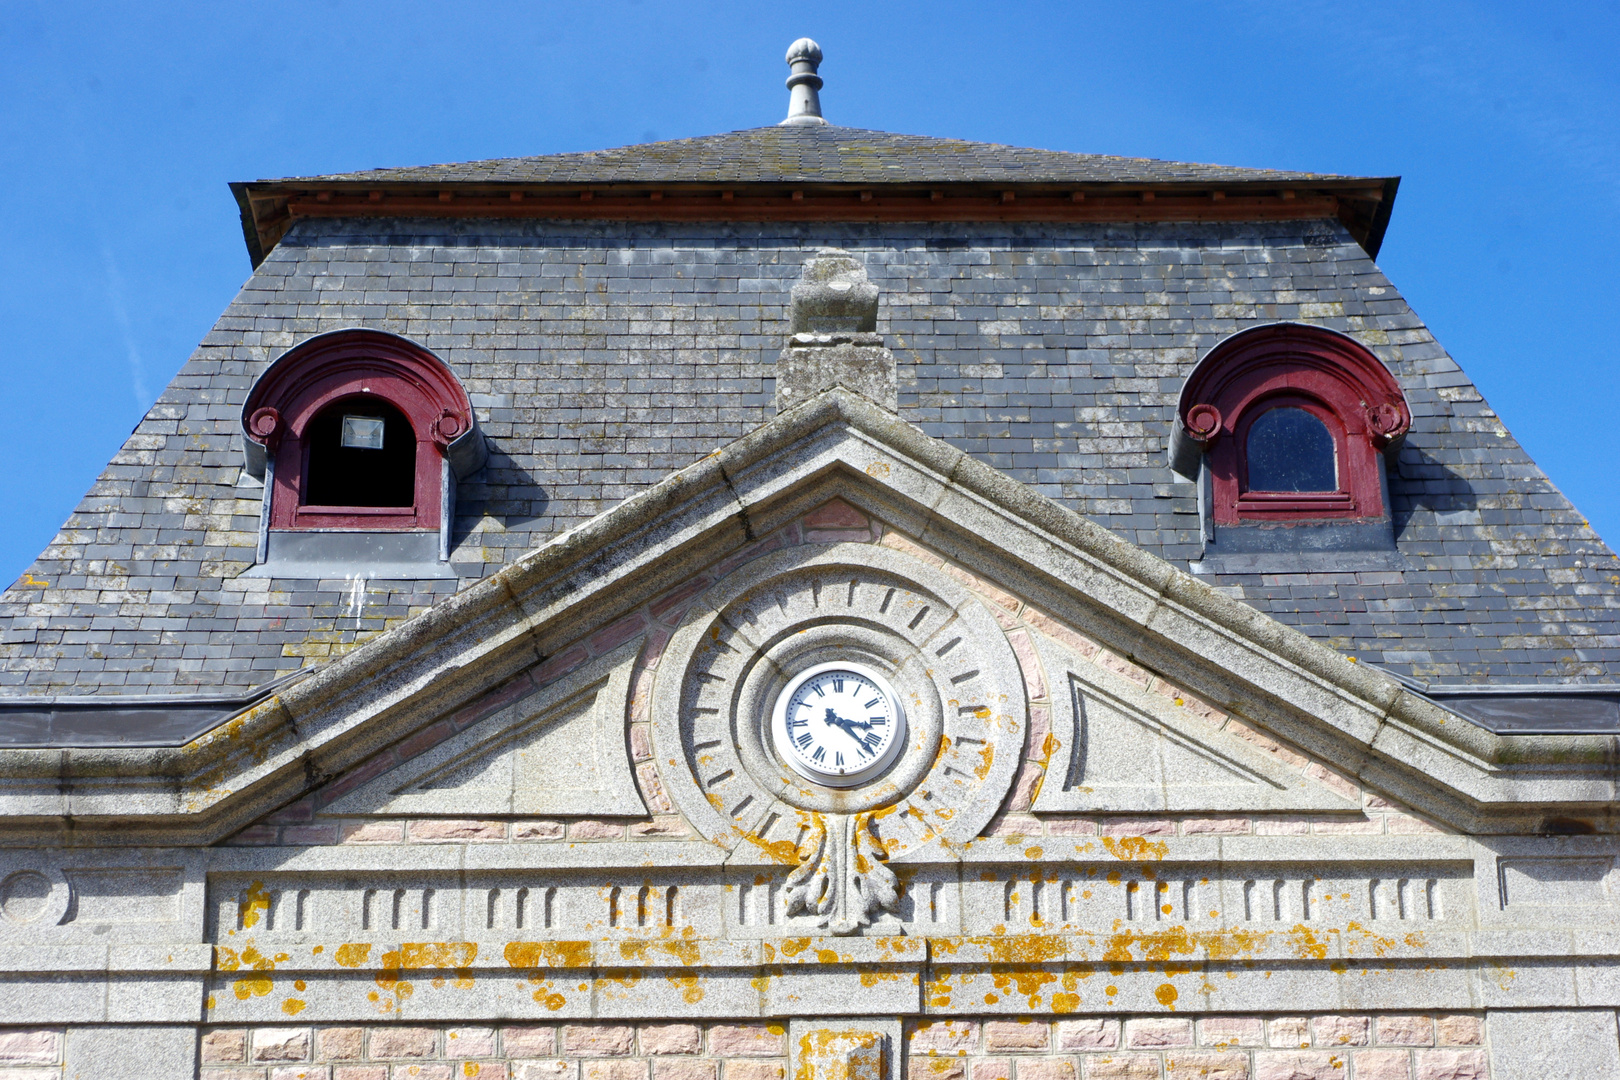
pixel 622 577
pixel 560 750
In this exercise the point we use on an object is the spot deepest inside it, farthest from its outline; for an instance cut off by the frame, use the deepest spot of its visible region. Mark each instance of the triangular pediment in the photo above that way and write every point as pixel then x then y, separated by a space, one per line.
pixel 558 751
pixel 1304 728
pixel 1121 748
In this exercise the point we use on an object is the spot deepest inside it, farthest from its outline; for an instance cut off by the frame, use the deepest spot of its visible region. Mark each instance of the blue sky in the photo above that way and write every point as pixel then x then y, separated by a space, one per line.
pixel 123 124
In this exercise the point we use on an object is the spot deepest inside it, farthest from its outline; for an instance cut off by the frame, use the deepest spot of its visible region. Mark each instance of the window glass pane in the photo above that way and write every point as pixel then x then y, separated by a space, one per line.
pixel 363 432
pixel 361 453
pixel 1291 450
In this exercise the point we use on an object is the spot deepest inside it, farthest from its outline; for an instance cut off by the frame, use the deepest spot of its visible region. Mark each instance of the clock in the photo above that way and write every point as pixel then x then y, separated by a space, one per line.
pixel 839 724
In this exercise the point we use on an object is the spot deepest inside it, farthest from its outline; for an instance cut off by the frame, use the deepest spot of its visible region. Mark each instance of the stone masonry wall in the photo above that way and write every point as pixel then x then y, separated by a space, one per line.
pixel 1399 1046
pixel 1391 1046
pixel 649 1051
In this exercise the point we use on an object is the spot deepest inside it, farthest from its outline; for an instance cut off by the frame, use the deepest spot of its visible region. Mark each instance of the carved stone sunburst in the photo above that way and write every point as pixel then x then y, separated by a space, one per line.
pixel 751 632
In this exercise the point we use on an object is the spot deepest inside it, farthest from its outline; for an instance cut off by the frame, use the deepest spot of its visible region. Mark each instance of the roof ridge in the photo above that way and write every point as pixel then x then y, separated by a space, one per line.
pixel 745 154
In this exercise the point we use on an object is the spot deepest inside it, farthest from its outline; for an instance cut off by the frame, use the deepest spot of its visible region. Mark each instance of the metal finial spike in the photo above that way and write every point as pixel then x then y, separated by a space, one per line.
pixel 804 103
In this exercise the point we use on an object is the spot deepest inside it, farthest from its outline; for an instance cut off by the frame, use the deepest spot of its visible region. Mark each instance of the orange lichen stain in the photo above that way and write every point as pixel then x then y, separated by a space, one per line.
pixel 471 1068
pixel 210 1003
pixel 530 957
pixel 1416 940
pixel 793 946
pixel 1023 948
pixel 1113 877
pixel 1377 944
pixel 1166 995
pixel 1135 848
pixel 1110 990
pixel 1168 909
pixel 1306 944
pixel 1033 853
pixel 440 957
pixel 317 950
pixel 1029 982
pixel 228 959
pixel 534 954
pixel 299 985
pixel 684 951
pixel 828 956
pixel 991 999
pixel 688 985
pixel 829 1045
pixel 987 756
pixel 292 1006
pixel 870 979
pixel 389 981
pixel 353 954
pixel 1158 946
pixel 785 852
pixel 252 988
pixel 255 905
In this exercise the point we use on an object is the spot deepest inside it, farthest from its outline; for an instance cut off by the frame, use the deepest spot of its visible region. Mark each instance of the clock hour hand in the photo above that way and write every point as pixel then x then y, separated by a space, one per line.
pixel 849 727
pixel 833 718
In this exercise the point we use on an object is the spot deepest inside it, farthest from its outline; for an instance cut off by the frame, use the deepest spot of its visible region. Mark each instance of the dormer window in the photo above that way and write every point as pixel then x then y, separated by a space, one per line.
pixel 1288 453
pixel 360 456
pixel 1286 429
pixel 359 437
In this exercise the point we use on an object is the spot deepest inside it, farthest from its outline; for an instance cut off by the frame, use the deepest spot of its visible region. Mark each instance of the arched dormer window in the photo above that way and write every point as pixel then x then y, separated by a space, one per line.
pixel 359 437
pixel 1286 428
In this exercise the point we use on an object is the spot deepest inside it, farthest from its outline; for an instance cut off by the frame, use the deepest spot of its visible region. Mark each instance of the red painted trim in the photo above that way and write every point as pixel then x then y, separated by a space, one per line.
pixel 1325 373
pixel 356 364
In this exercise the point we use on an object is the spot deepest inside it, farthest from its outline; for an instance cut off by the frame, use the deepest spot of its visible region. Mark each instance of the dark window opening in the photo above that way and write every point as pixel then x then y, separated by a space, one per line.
pixel 351 463
pixel 1288 449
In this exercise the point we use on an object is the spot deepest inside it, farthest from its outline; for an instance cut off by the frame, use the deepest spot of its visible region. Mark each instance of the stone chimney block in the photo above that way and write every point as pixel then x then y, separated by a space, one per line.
pixel 833 336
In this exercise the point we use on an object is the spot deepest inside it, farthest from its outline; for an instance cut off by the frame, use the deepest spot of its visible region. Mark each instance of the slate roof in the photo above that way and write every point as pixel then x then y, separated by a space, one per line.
pixel 602 356
pixel 818 154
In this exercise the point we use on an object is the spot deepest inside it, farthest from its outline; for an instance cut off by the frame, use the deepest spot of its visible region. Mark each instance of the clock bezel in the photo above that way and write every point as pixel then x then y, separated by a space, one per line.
pixel 867 773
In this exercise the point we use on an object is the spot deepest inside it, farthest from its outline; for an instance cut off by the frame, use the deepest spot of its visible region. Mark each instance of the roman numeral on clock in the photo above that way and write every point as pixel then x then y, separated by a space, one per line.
pixel 803 740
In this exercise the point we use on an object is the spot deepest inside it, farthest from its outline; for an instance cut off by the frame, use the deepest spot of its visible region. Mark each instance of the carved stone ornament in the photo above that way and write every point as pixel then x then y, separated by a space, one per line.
pixel 746 638
pixel 842 879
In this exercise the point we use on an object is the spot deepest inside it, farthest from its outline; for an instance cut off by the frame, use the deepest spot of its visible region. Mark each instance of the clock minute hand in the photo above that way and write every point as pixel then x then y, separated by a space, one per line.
pixel 849 727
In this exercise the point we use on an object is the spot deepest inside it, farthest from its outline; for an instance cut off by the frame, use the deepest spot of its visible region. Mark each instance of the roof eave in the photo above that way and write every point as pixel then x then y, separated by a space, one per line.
pixel 268 207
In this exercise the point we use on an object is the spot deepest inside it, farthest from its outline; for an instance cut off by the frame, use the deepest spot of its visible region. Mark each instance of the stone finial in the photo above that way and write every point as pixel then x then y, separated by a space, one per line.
pixel 804 103
pixel 833 295
pixel 833 335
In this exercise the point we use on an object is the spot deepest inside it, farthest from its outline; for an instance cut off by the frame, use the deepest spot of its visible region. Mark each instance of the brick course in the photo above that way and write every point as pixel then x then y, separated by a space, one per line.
pixel 1224 1047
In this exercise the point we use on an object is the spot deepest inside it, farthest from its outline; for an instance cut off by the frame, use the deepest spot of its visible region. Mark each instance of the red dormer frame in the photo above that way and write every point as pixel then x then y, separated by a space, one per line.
pixel 1327 374
pixel 355 364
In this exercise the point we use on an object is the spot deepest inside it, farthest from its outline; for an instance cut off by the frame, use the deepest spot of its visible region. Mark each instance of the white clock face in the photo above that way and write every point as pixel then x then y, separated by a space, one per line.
pixel 838 724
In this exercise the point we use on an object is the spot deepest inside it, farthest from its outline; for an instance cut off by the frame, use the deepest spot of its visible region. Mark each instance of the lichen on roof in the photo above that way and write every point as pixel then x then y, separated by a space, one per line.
pixel 818 154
